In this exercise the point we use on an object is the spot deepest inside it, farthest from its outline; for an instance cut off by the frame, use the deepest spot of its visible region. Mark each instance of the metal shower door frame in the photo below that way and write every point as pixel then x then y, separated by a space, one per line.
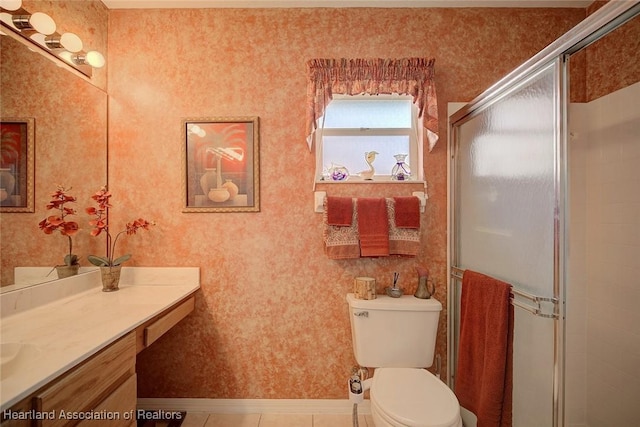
pixel 556 312
pixel 606 19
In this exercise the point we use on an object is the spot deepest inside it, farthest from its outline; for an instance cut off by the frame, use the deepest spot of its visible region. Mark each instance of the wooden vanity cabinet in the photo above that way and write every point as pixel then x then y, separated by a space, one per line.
pixel 102 388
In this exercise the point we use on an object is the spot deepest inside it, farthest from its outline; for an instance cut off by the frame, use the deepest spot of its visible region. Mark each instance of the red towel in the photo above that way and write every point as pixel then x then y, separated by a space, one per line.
pixel 339 211
pixel 407 212
pixel 484 377
pixel 373 226
pixel 402 241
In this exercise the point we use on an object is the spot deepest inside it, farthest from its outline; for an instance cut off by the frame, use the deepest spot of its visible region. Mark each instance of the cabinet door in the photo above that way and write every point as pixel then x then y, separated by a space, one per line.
pixel 86 386
pixel 119 409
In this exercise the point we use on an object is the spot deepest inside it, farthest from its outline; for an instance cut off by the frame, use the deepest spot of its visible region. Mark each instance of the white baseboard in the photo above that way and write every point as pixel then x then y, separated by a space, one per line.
pixel 256 406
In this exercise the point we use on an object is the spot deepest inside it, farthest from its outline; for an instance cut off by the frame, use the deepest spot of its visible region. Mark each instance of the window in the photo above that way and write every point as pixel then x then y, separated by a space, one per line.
pixel 355 125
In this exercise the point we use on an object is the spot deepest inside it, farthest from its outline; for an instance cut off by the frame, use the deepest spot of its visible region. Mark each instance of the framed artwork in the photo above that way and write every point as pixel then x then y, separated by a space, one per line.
pixel 221 164
pixel 17 173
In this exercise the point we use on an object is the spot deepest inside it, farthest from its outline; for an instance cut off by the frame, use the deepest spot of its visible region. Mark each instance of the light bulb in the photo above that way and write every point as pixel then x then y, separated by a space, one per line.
pixel 68 41
pixel 71 42
pixel 42 23
pixel 95 59
pixel 7 19
pixel 11 4
pixel 67 56
pixel 39 38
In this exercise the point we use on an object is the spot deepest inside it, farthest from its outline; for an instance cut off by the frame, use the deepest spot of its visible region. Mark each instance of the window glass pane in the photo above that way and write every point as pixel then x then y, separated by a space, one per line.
pixel 368 113
pixel 348 151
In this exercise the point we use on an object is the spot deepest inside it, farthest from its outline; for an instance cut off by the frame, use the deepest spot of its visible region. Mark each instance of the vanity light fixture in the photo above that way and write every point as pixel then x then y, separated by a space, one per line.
pixel 40 22
pixel 40 29
pixel 92 58
pixel 68 41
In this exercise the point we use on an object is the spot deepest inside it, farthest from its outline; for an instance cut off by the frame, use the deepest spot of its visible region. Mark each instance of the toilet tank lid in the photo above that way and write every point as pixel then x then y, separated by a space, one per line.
pixel 404 303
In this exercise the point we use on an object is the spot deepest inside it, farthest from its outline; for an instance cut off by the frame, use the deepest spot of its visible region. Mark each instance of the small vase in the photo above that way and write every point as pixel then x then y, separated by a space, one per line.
pixel 423 291
pixel 7 180
pixel 338 173
pixel 400 171
pixel 67 270
pixel 208 180
pixel 110 278
pixel 232 188
pixel 3 195
pixel 219 195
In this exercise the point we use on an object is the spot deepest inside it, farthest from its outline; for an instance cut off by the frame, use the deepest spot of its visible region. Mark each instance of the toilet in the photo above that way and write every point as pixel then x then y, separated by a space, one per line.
pixel 397 337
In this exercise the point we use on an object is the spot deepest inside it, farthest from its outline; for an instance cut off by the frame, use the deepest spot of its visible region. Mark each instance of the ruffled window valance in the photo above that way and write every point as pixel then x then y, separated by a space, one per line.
pixel 406 76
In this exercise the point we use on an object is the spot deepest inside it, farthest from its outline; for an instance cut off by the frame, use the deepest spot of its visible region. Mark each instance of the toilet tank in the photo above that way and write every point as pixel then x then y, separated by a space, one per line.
pixel 394 332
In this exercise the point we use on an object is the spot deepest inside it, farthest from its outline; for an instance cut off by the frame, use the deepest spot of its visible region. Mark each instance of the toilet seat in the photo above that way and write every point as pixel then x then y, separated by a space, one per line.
pixel 413 397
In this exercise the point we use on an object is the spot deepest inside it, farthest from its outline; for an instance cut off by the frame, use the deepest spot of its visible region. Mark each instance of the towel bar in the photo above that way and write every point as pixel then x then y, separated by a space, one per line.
pixel 537 310
pixel 318 200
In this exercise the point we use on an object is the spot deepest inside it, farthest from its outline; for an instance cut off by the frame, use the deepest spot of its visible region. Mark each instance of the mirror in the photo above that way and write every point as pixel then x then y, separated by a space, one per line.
pixel 70 121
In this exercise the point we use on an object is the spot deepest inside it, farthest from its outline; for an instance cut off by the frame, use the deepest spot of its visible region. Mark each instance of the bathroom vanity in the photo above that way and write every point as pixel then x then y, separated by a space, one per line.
pixel 73 356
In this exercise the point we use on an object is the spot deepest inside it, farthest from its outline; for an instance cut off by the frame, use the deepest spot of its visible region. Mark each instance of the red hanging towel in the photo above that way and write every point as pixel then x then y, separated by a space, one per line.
pixel 407 212
pixel 339 211
pixel 373 226
pixel 484 376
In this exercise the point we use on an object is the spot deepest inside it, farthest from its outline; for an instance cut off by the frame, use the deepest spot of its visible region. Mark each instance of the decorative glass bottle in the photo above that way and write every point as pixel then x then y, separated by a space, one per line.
pixel 400 171
pixel 338 172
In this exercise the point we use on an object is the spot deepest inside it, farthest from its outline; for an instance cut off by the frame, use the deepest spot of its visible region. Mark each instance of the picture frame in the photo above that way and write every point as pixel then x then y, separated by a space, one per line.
pixel 221 164
pixel 17 164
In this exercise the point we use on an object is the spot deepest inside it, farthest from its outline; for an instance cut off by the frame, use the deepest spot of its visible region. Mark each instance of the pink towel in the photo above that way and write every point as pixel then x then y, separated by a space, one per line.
pixel 373 226
pixel 407 212
pixel 484 376
pixel 339 211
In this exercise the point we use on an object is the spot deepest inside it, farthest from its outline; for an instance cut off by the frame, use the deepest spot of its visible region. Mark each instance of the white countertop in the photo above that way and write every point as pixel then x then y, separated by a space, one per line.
pixel 57 336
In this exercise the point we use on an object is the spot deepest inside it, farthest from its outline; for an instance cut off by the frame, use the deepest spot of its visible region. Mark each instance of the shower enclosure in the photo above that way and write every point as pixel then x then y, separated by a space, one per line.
pixel 545 195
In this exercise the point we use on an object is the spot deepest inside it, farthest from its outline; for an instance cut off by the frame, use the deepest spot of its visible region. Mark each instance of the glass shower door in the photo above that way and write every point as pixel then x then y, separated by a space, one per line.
pixel 505 169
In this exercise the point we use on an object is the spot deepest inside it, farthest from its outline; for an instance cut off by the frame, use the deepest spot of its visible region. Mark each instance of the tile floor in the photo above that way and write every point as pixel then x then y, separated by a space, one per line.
pixel 203 419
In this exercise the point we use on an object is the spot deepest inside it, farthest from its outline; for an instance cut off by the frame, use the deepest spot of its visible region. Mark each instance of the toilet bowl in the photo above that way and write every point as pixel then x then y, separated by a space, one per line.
pixel 412 397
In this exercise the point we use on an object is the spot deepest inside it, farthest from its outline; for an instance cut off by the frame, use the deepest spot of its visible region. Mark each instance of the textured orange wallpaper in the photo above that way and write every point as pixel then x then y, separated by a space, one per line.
pixel 271 318
pixel 612 61
pixel 607 65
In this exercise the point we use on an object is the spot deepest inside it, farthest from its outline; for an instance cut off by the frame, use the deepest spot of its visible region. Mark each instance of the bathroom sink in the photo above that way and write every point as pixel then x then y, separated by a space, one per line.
pixel 14 356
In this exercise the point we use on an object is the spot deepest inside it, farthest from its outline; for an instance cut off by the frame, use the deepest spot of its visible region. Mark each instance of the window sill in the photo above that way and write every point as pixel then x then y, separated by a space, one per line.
pixel 375 180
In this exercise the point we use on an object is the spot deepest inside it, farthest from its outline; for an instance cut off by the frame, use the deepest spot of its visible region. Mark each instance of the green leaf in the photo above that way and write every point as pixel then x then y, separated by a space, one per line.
pixel 98 260
pixel 121 259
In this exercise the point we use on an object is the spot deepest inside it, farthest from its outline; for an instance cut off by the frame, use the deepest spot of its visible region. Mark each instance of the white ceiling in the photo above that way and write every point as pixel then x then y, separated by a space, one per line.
pixel 171 4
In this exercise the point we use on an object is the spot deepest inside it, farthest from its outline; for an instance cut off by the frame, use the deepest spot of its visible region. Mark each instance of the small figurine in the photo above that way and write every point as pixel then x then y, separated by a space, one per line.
pixel 369 157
